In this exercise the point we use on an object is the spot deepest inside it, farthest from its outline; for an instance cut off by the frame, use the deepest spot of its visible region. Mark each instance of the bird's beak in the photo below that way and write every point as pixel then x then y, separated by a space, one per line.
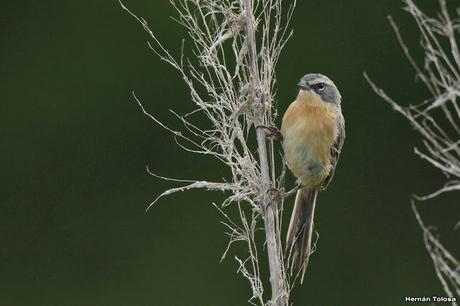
pixel 304 85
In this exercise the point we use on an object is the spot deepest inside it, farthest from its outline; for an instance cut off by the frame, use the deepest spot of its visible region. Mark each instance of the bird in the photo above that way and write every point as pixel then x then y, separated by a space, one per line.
pixel 313 133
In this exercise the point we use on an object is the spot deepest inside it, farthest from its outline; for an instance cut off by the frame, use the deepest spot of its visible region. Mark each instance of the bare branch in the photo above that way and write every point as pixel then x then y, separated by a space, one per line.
pixel 436 119
pixel 231 77
pixel 446 266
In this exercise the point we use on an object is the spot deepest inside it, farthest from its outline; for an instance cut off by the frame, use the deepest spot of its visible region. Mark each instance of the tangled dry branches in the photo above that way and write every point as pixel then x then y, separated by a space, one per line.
pixel 436 119
pixel 231 78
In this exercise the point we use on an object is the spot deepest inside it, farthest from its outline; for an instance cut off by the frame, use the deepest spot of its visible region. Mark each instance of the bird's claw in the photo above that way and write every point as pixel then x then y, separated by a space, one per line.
pixel 293 190
pixel 271 132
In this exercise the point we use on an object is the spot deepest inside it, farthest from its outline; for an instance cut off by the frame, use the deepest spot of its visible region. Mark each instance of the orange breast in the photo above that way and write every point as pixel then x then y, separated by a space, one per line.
pixel 309 129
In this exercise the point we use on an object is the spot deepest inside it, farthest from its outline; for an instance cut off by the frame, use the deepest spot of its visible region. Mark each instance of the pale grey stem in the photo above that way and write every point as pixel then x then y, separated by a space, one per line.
pixel 223 35
pixel 279 294
pixel 436 119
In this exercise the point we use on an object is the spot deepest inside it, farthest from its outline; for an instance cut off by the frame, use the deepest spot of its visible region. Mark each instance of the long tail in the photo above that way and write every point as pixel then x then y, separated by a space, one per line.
pixel 299 236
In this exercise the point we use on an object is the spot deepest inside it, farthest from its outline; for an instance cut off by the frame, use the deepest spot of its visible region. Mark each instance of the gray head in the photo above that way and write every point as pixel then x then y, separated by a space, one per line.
pixel 322 86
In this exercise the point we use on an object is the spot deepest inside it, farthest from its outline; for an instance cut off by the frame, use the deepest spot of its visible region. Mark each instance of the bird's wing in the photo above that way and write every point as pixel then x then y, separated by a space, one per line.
pixel 335 151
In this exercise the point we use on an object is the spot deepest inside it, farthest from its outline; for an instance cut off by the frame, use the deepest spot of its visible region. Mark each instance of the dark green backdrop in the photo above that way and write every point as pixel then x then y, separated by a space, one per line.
pixel 74 146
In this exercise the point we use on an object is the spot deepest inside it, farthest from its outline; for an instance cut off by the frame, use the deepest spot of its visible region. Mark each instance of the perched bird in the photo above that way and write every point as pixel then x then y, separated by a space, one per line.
pixel 313 132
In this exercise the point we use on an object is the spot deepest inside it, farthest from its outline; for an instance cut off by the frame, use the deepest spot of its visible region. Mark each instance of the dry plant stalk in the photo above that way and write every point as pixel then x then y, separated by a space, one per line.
pixel 236 45
pixel 436 119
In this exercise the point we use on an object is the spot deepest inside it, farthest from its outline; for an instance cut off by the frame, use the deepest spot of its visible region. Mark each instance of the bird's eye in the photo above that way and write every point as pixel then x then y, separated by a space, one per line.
pixel 320 86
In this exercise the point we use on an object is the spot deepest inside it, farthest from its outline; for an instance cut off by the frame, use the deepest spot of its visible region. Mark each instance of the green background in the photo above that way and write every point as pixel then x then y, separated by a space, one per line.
pixel 74 145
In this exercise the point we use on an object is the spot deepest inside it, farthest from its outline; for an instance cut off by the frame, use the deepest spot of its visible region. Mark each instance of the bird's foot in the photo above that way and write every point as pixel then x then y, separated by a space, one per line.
pixel 293 190
pixel 276 195
pixel 271 132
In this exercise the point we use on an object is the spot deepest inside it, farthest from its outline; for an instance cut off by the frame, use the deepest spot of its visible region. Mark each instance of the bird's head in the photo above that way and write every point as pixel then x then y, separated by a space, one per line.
pixel 321 85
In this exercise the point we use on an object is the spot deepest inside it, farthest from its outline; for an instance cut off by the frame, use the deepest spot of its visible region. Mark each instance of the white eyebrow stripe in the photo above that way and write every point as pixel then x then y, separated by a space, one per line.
pixel 317 81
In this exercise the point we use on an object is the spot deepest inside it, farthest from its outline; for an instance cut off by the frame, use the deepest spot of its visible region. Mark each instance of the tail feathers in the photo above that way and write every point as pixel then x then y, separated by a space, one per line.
pixel 299 236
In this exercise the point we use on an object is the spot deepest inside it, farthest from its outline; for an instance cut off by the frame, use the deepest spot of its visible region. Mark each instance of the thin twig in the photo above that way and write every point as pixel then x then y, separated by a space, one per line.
pixel 436 119
pixel 231 78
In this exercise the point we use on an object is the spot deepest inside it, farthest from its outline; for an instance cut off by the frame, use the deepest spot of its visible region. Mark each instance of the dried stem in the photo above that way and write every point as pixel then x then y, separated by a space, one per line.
pixel 436 119
pixel 231 77
pixel 446 266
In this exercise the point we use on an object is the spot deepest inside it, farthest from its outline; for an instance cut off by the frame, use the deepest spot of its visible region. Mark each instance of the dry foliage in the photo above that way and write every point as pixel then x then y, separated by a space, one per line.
pixel 436 119
pixel 231 77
